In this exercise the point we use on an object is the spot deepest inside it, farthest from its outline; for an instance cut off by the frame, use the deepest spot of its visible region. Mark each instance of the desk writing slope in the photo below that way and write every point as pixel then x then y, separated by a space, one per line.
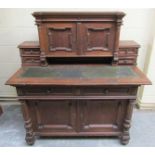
pixel 79 75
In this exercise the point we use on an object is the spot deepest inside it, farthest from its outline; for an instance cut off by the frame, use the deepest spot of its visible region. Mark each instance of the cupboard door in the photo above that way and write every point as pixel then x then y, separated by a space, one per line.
pixel 98 38
pixel 54 116
pixel 60 39
pixel 101 115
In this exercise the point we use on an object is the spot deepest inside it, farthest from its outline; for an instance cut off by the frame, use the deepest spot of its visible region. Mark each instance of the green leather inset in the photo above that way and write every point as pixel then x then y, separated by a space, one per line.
pixel 79 71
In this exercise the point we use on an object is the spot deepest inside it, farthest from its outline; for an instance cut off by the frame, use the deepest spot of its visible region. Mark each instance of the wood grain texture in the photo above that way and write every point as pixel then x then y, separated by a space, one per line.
pixel 81 16
pixel 84 34
pixel 125 137
pixel 28 123
pixel 36 44
pixel 127 53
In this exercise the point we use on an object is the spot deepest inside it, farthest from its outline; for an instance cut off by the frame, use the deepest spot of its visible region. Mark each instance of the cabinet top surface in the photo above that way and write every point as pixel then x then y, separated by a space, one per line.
pixel 64 13
pixel 128 43
pixel 79 75
pixel 29 44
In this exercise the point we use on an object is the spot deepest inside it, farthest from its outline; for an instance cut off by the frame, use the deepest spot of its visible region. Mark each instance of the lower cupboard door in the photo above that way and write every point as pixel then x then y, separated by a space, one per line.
pixel 102 116
pixel 52 117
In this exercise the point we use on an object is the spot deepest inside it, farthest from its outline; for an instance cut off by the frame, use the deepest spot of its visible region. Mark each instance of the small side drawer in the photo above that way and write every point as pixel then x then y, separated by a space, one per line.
pixel 123 52
pixel 127 61
pixel 27 60
pixel 30 51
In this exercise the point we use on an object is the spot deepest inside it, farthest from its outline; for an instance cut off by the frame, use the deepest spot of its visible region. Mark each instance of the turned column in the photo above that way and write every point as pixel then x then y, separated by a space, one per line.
pixel 43 60
pixel 30 138
pixel 125 137
pixel 116 45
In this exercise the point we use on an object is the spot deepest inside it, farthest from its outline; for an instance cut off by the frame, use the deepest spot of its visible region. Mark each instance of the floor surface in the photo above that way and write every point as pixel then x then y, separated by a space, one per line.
pixel 12 132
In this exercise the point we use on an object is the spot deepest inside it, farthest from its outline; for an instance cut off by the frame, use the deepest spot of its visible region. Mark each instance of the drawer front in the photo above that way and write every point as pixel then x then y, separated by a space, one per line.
pixel 45 91
pixel 30 51
pixel 30 60
pixel 77 91
pixel 127 61
pixel 123 52
pixel 109 91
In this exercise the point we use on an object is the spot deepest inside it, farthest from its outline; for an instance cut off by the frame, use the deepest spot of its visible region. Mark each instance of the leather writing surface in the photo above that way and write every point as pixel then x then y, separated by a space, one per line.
pixel 79 71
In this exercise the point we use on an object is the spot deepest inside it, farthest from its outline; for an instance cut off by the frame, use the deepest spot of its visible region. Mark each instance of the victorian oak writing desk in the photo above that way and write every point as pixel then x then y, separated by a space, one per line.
pixel 79 80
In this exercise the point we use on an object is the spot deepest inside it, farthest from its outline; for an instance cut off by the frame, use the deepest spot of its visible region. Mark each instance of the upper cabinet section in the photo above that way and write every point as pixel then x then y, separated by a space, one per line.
pixel 83 34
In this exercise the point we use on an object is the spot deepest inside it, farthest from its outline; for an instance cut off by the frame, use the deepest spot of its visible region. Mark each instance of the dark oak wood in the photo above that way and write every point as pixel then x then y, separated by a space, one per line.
pixel 127 54
pixel 79 79
pixel 30 53
pixel 83 34
pixel 30 136
pixel 29 44
pixel 75 106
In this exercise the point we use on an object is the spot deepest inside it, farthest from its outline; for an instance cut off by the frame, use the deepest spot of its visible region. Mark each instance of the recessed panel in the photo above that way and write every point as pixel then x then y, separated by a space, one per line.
pixel 98 39
pixel 55 115
pixel 60 39
pixel 102 115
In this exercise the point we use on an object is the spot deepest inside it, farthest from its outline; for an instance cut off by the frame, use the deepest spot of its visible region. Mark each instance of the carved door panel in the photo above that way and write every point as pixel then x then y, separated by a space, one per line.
pixel 60 39
pixel 54 116
pixel 98 38
pixel 101 115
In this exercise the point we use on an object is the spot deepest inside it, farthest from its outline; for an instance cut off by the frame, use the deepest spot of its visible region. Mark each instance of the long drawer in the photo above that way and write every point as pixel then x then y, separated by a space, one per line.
pixel 76 91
